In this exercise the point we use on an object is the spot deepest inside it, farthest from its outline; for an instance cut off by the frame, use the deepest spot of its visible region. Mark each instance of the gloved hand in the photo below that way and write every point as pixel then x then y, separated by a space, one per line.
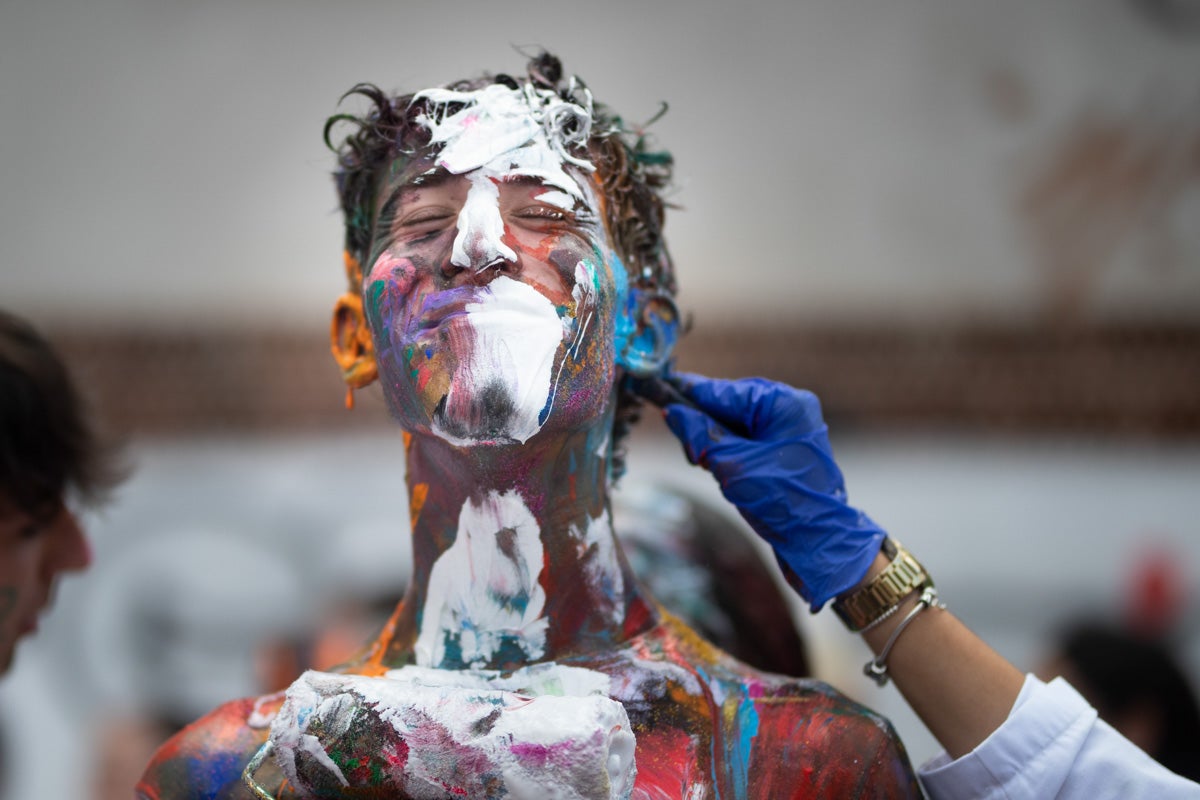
pixel 768 448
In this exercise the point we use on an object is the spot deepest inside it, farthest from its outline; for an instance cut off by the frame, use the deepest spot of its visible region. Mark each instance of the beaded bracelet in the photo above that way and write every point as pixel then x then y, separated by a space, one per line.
pixel 876 668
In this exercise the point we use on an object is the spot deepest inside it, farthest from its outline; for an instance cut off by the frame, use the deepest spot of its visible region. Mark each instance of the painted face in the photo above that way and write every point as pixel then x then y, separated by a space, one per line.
pixel 492 288
pixel 32 555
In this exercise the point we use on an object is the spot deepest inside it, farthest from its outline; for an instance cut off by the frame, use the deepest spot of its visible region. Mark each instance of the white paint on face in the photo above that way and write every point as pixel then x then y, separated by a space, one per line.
pixel 458 734
pixel 492 135
pixel 480 240
pixel 574 326
pixel 503 133
pixel 484 594
pixel 560 199
pixel 515 333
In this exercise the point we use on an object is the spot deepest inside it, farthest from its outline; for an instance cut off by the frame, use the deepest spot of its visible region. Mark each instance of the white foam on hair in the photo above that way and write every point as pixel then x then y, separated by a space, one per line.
pixel 495 121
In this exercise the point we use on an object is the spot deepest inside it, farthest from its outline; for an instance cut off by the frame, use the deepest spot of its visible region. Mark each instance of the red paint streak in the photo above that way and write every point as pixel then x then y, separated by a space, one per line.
pixel 637 618
pixel 666 765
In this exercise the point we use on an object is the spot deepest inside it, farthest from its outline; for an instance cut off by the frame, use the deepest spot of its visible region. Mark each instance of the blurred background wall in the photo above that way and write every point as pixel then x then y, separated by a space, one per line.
pixel 973 228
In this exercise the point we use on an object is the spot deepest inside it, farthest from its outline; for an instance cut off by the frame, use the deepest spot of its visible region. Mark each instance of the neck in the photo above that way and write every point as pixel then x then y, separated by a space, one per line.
pixel 514 556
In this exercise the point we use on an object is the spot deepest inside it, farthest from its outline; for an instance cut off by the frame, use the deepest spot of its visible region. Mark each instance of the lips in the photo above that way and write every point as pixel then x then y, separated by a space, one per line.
pixel 493 305
pixel 442 307
pixel 427 323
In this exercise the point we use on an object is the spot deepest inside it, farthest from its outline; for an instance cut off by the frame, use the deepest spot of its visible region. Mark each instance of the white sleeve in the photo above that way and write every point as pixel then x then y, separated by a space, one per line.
pixel 1053 745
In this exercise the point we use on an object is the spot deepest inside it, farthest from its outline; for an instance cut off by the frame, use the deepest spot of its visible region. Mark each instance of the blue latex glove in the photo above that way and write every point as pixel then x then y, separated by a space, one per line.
pixel 768 448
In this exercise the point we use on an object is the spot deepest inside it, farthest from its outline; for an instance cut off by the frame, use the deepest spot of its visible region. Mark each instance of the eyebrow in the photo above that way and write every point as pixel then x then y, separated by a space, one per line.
pixel 429 179
pixel 524 180
pixel 534 181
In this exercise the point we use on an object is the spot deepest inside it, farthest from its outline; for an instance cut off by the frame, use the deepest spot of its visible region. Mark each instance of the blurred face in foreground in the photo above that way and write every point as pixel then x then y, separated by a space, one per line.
pixel 34 551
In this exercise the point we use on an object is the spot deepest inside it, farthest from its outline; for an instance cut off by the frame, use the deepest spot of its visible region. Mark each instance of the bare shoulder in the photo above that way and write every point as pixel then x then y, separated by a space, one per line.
pixel 813 741
pixel 206 759
pixel 790 737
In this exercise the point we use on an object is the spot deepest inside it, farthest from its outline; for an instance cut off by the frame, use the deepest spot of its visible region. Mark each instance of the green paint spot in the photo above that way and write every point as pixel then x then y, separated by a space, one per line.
pixel 376 293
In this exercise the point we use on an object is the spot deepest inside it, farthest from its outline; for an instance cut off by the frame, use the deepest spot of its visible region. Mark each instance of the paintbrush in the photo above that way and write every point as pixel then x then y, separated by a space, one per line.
pixel 661 390
pixel 658 390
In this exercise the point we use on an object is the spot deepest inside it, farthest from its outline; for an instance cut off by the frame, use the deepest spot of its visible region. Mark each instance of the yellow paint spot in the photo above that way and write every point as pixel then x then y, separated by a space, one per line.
pixel 419 492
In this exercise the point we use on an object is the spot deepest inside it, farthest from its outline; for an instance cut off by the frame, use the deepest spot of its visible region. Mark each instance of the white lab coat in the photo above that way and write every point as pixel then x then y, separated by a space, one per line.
pixel 1053 745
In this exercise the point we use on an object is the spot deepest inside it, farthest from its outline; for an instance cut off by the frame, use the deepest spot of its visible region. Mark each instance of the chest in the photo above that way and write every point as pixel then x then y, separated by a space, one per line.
pixel 672 765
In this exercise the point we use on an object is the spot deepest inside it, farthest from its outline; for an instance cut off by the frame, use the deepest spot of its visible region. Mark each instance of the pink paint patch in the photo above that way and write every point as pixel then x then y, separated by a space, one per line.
pixel 539 755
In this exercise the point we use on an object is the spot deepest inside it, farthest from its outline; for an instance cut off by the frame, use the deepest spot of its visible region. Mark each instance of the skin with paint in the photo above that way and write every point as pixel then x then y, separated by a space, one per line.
pixel 34 552
pixel 501 321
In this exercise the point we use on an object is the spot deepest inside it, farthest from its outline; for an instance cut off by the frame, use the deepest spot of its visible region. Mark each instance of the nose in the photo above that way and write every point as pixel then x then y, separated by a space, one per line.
pixel 479 243
pixel 67 547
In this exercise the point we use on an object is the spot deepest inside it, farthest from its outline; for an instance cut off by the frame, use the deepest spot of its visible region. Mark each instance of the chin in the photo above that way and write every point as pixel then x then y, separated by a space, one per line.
pixel 486 416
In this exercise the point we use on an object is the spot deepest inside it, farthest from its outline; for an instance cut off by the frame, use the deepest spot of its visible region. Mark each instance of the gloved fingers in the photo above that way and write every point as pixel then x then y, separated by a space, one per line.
pixel 756 406
pixel 728 413
pixel 699 433
pixel 729 401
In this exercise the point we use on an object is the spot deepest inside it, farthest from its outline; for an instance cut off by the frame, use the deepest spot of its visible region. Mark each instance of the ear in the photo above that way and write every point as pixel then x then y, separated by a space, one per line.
pixel 351 343
pixel 654 319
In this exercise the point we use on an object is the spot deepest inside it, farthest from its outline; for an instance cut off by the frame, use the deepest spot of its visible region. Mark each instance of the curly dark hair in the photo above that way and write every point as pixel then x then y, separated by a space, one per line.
pixel 632 176
pixel 48 448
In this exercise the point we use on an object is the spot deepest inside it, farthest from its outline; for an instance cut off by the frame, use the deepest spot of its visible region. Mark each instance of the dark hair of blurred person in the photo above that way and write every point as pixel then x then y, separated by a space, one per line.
pixel 1137 685
pixel 49 454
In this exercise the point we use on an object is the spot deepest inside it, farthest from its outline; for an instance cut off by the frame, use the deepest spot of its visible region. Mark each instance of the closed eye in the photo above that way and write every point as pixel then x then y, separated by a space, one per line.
pixel 425 222
pixel 543 217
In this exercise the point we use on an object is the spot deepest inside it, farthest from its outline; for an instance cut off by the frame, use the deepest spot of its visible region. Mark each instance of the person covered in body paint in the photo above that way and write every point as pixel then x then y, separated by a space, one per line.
pixel 507 276
pixel 49 454
pixel 1004 735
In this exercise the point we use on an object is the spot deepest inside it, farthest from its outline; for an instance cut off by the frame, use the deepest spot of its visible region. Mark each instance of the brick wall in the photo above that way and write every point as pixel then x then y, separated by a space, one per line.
pixel 1114 380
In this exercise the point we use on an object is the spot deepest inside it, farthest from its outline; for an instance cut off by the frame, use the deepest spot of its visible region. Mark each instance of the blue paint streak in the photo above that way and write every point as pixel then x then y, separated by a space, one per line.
pixel 626 322
pixel 746 724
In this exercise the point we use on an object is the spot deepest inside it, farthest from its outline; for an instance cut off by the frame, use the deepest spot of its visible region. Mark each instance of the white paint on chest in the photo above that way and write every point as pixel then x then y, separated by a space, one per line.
pixel 484 592
pixel 445 734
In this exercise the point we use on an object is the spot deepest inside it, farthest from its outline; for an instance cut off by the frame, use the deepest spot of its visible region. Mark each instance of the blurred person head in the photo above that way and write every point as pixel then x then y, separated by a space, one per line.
pixel 1138 686
pixel 475 148
pixel 49 455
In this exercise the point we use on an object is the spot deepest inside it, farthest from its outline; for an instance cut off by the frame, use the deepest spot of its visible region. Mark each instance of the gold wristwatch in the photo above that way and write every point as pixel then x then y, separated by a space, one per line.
pixel 881 596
